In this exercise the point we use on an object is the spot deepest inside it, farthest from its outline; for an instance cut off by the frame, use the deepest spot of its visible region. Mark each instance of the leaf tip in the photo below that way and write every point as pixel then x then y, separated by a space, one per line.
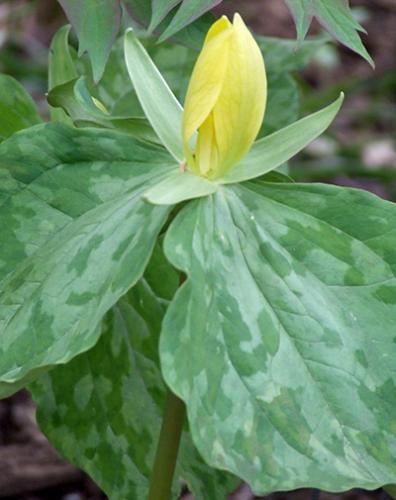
pixel 338 102
pixel 129 33
pixel 370 60
pixel 129 37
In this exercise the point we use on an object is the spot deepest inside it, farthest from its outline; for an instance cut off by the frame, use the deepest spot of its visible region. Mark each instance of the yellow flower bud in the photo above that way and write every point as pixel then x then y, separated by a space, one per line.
pixel 225 100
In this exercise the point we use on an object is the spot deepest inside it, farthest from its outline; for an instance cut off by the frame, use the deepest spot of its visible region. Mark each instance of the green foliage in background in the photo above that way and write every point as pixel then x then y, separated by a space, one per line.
pixel 335 16
pixel 98 23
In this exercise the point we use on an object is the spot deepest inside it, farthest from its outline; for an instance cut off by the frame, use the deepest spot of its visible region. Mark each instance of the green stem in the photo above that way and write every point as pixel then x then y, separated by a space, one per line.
pixel 168 446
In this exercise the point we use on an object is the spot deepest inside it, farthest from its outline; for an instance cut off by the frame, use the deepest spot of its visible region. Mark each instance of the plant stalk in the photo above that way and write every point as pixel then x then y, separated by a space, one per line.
pixel 167 450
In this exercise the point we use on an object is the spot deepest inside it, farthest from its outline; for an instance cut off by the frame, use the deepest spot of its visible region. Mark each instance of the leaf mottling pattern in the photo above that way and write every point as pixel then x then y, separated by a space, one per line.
pixel 103 409
pixel 77 235
pixel 286 326
pixel 17 108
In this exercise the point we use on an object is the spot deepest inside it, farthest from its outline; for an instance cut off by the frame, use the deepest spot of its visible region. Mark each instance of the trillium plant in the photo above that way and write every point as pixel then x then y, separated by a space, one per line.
pixel 181 310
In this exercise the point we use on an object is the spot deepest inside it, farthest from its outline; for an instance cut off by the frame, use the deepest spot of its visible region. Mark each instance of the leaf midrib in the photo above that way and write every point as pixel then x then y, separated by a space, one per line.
pixel 308 371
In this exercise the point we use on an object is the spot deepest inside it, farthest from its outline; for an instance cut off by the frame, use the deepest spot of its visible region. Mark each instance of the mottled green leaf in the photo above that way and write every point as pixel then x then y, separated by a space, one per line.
pixel 17 109
pixel 275 149
pixel 76 236
pixel 282 340
pixel 97 23
pixel 161 107
pixel 103 410
pixel 61 68
pixel 335 16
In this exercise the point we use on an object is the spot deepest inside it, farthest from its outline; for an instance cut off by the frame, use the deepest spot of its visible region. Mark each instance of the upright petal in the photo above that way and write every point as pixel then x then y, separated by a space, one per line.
pixel 239 109
pixel 206 153
pixel 206 80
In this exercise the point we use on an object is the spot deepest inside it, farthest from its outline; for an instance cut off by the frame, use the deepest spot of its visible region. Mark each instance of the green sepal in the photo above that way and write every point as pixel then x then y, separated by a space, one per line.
pixel 161 107
pixel 273 150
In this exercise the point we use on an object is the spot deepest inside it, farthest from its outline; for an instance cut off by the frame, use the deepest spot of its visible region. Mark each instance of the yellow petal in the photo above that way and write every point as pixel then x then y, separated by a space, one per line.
pixel 222 24
pixel 206 80
pixel 239 109
pixel 206 148
pixel 225 100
